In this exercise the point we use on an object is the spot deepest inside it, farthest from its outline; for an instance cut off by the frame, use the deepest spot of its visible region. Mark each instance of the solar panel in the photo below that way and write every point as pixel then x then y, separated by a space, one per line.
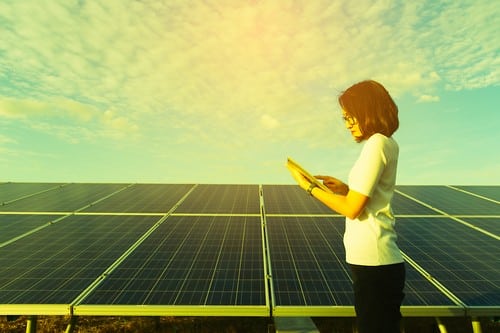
pixel 190 261
pixel 180 249
pixel 12 226
pixel 306 262
pixel 222 199
pixel 55 264
pixel 490 224
pixel 492 192
pixel 465 261
pixel 451 201
pixel 142 198
pixel 310 276
pixel 13 191
pixel 402 205
pixel 291 199
pixel 66 198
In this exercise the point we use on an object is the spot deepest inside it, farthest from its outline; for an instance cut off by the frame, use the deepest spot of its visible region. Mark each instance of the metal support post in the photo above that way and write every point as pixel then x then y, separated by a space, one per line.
pixel 31 324
pixel 441 327
pixel 71 325
pixel 476 325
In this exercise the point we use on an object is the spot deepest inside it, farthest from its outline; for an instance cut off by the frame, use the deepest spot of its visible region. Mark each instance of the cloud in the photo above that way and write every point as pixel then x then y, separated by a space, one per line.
pixel 69 120
pixel 12 108
pixel 428 98
pixel 184 70
pixel 269 122
pixel 5 139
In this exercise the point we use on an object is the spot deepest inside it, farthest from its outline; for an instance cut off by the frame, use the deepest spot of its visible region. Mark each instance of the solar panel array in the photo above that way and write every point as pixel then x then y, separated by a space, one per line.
pixel 242 250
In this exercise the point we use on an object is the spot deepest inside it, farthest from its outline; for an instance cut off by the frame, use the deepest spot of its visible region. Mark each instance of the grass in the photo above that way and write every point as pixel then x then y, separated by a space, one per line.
pixel 46 324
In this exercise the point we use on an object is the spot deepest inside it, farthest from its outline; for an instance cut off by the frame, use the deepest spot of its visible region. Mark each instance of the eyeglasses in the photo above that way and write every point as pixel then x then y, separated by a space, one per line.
pixel 349 120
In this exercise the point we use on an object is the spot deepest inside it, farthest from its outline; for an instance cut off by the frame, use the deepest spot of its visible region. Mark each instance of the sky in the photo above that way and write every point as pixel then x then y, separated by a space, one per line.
pixel 223 91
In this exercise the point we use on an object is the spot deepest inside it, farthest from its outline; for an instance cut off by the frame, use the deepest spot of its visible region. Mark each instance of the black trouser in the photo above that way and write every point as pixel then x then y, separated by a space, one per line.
pixel 378 293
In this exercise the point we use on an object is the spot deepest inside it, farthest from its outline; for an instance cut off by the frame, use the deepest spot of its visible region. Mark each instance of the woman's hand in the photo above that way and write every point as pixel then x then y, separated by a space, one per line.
pixel 335 185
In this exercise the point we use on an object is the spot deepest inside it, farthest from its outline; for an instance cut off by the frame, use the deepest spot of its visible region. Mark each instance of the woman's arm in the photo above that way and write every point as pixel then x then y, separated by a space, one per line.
pixel 349 204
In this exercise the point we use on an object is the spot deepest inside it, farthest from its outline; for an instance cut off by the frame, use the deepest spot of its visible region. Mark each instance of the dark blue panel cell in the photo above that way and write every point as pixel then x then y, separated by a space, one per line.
pixel 464 260
pixel 67 198
pixel 489 224
pixel 12 226
pixel 491 192
pixel 191 261
pixel 452 201
pixel 291 199
pixel 143 198
pixel 402 205
pixel 309 269
pixel 15 191
pixel 55 264
pixel 222 199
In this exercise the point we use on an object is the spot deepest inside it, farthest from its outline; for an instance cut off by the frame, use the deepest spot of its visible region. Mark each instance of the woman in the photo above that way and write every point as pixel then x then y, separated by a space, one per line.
pixel 376 263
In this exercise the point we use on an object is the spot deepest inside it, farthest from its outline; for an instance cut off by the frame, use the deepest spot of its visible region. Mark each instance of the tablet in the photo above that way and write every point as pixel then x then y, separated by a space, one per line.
pixel 294 165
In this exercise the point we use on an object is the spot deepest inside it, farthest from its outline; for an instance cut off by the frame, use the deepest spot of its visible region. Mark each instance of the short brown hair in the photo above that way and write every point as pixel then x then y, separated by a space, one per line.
pixel 372 106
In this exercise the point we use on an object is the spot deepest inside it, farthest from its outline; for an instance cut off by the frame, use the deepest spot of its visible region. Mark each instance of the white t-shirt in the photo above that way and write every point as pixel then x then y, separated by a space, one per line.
pixel 370 239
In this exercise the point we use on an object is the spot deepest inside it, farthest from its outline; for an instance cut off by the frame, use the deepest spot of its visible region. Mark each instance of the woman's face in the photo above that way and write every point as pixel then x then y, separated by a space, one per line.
pixel 352 125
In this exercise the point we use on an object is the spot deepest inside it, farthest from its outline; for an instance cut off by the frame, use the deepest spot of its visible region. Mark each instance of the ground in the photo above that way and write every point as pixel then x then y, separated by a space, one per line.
pixel 51 324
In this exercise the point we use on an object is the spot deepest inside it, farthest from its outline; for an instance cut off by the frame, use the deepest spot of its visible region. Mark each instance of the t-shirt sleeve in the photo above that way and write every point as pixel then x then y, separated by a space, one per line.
pixel 366 172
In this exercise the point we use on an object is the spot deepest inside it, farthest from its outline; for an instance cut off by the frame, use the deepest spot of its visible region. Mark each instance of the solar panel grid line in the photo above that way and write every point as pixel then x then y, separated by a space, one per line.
pixel 218 261
pixel 116 214
pixel 166 266
pixel 216 214
pixel 32 194
pixel 334 252
pixel 32 231
pixel 434 281
pixel 295 269
pixel 477 216
pixel 103 198
pixel 489 191
pixel 303 215
pixel 195 257
pixel 490 223
pixel 32 213
pixel 223 198
pixel 269 288
pixel 291 199
pixel 316 261
pixel 450 216
pixel 294 257
pixel 418 216
pixel 118 261
pixel 174 207
pixel 142 198
pixel 451 201
pixel 12 226
pixel 465 262
pixel 472 226
pixel 474 194
pixel 68 198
